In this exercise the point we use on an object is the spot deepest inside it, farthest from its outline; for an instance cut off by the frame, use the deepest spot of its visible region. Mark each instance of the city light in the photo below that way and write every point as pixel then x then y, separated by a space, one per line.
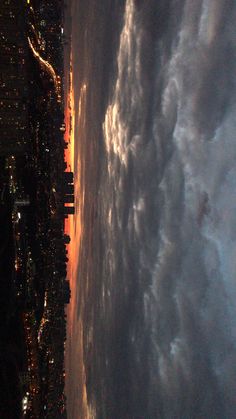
pixel 34 190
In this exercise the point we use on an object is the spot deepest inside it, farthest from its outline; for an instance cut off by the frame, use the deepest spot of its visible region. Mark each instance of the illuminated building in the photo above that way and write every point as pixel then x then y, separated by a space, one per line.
pixel 14 131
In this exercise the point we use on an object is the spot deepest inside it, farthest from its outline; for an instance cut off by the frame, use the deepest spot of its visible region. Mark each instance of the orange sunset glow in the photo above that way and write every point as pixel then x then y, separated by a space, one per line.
pixel 73 227
pixel 71 222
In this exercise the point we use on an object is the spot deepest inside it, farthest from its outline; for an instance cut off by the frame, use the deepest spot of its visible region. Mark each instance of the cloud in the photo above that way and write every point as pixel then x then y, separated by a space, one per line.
pixel 163 310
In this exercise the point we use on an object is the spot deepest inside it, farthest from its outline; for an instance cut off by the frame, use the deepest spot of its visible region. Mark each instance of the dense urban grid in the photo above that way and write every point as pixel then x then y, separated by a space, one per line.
pixel 36 195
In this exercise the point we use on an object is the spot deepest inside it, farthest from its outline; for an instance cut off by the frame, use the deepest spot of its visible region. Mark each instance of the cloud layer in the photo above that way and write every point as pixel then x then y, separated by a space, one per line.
pixel 162 328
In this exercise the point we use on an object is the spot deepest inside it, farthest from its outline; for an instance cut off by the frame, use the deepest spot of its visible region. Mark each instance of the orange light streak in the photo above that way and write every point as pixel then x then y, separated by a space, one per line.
pixel 48 67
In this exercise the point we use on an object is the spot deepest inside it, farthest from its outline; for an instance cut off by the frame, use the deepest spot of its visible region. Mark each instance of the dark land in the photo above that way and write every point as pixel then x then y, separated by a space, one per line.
pixel 35 187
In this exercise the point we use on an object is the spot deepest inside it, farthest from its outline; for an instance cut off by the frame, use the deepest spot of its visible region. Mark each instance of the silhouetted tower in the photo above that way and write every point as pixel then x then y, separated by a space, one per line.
pixel 68 193
pixel 66 238
pixel 69 177
pixel 69 199
pixel 69 189
pixel 69 210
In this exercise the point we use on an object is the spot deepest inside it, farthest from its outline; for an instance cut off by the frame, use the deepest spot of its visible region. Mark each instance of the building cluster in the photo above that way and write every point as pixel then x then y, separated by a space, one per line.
pixel 46 35
pixel 14 81
pixel 42 191
pixel 68 193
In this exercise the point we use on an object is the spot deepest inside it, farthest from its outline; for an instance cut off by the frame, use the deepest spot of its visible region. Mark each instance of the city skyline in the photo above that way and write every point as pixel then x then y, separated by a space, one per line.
pixel 37 198
pixel 117 209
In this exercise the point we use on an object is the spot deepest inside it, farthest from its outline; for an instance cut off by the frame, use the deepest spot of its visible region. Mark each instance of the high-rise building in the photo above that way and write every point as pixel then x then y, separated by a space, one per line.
pixel 69 177
pixel 69 189
pixel 69 199
pixel 67 292
pixel 66 238
pixel 14 130
pixel 69 210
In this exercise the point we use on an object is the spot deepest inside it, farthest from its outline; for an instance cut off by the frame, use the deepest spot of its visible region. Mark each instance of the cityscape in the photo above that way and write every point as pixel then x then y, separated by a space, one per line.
pixel 117 209
pixel 36 198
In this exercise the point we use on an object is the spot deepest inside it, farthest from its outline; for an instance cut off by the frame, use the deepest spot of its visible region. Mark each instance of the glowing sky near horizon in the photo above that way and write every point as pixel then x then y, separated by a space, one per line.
pixel 73 227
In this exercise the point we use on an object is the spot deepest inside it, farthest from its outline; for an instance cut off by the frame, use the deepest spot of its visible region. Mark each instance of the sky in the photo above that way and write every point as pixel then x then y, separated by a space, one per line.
pixel 151 324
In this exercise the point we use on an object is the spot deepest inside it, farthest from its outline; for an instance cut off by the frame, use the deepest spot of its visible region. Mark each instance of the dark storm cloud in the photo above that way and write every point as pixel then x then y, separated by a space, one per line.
pixel 182 293
pixel 215 86
pixel 185 289
pixel 208 65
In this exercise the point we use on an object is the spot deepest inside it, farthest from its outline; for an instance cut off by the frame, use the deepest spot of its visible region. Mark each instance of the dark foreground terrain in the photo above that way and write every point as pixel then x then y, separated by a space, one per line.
pixel 34 188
